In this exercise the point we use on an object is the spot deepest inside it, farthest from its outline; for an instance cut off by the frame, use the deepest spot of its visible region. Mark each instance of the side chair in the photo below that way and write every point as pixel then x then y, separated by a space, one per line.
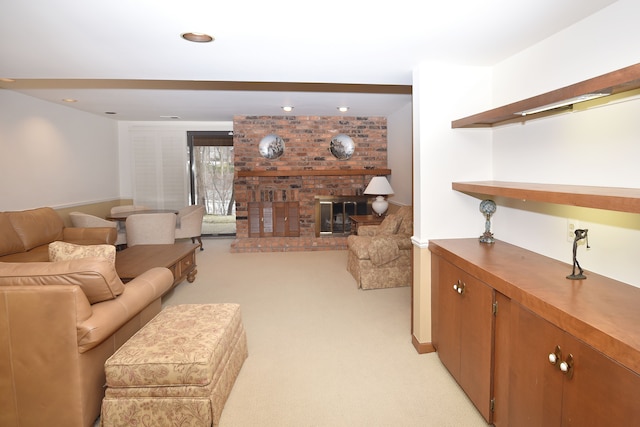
pixel 189 224
pixel 151 229
pixel 81 219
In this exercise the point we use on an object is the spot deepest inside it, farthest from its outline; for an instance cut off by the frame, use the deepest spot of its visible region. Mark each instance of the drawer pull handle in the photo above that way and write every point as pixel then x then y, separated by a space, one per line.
pixel 567 366
pixel 459 287
pixel 555 357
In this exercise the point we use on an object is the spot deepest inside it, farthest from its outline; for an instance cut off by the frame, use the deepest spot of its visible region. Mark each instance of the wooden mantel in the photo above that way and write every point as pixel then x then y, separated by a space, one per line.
pixel 306 172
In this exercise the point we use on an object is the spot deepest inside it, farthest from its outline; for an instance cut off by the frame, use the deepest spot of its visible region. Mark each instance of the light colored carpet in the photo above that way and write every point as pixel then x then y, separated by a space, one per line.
pixel 321 352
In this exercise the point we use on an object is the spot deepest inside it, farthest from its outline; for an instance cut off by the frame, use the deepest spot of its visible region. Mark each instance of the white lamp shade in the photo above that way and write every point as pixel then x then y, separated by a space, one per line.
pixel 379 186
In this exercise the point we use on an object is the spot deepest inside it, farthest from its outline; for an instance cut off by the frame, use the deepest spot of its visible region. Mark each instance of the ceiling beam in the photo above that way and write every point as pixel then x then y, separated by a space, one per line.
pixel 24 84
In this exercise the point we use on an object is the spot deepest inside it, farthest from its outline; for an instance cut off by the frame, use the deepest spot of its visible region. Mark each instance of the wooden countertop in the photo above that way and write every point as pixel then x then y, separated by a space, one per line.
pixel 600 311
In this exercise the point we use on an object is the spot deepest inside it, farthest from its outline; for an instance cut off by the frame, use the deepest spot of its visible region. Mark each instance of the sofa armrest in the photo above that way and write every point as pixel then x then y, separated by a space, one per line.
pixel 109 316
pixel 90 235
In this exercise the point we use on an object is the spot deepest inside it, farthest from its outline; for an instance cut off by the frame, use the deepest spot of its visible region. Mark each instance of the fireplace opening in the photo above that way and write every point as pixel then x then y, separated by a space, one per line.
pixel 333 212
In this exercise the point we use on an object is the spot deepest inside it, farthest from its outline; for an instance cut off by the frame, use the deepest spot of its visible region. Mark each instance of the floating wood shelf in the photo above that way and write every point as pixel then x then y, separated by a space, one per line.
pixel 324 172
pixel 609 198
pixel 623 80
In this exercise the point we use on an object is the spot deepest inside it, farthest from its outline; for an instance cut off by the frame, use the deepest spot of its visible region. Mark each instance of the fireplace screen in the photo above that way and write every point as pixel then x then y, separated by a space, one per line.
pixel 332 213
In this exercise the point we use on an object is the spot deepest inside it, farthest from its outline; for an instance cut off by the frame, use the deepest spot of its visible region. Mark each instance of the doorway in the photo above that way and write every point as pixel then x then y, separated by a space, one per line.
pixel 211 170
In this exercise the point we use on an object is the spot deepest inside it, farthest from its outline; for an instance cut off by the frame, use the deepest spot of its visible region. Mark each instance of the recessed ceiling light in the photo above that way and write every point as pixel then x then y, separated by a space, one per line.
pixel 110 112
pixel 69 100
pixel 197 37
pixel 170 117
pixel 343 109
pixel 287 108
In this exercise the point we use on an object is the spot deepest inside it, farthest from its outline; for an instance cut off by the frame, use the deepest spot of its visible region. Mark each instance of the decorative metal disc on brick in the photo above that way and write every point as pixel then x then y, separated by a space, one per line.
pixel 342 146
pixel 271 146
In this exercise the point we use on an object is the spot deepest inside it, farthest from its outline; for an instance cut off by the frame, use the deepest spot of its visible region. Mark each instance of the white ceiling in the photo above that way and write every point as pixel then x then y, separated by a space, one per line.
pixel 47 45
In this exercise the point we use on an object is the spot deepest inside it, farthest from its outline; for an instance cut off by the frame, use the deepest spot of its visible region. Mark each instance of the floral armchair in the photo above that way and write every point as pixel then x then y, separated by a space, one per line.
pixel 380 255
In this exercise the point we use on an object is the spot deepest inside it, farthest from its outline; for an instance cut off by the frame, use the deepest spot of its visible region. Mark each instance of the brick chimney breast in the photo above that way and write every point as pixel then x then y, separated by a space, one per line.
pixel 306 148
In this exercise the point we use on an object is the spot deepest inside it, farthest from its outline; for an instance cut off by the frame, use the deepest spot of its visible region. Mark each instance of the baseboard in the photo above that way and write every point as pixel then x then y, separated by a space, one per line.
pixel 422 348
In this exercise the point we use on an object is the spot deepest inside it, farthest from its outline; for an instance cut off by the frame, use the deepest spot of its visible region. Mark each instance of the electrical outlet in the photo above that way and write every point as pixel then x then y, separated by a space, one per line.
pixel 572 226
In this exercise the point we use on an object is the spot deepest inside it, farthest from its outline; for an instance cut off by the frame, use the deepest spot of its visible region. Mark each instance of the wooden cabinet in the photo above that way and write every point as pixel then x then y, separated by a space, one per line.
pixel 593 390
pixel 593 324
pixel 274 219
pixel 465 329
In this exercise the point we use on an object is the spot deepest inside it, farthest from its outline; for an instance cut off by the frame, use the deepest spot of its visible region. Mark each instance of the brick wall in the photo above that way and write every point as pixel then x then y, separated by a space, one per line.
pixel 306 141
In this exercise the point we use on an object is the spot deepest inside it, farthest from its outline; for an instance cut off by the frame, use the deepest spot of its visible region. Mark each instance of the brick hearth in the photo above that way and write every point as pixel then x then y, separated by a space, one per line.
pixel 306 141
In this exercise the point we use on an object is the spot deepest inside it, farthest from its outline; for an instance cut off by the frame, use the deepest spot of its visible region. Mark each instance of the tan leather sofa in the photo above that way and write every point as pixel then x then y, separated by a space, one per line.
pixel 26 234
pixel 59 322
pixel 380 256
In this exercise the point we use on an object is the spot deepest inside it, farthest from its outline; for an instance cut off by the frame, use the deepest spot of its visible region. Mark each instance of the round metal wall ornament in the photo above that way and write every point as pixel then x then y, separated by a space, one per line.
pixel 342 147
pixel 271 146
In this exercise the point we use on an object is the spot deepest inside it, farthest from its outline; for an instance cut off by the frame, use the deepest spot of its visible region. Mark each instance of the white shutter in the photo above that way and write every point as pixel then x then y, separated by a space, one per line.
pixel 159 164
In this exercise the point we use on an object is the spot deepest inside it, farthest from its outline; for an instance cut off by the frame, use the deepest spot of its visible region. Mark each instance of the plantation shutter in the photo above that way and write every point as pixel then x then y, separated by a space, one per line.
pixel 159 163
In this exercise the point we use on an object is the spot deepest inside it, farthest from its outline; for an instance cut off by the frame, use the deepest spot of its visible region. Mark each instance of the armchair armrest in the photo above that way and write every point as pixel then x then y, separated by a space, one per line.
pixel 90 235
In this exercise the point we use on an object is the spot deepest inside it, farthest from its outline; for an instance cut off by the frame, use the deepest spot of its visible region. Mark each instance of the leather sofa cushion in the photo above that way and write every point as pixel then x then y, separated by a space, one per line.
pixel 36 227
pixel 10 242
pixel 96 277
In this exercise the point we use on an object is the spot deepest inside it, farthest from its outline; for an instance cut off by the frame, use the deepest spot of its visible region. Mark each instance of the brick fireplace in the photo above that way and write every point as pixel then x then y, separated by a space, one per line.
pixel 306 169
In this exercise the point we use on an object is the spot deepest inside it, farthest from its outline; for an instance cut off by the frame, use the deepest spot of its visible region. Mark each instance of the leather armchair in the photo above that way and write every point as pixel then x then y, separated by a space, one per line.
pixel 59 322
pixel 380 255
pixel 189 223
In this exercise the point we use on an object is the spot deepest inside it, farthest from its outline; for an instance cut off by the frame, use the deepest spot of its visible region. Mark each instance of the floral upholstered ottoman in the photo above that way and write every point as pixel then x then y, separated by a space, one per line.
pixel 178 370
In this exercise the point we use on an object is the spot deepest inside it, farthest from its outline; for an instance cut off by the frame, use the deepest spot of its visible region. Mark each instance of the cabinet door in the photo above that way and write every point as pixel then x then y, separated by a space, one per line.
pixel 535 386
pixel 597 392
pixel 601 392
pixel 476 342
pixel 255 225
pixel 274 219
pixel 293 219
pixel 266 219
pixel 447 324
pixel 286 219
pixel 465 331
pixel 501 358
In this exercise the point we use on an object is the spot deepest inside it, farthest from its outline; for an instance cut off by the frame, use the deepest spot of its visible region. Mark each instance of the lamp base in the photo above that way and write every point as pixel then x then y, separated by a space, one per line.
pixel 380 205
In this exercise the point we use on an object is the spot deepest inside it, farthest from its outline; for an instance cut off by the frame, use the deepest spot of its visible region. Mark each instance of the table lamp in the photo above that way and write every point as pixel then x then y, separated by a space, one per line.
pixel 380 187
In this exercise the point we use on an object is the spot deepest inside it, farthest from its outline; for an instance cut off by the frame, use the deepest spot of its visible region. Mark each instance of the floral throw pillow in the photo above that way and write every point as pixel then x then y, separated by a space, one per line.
pixel 63 251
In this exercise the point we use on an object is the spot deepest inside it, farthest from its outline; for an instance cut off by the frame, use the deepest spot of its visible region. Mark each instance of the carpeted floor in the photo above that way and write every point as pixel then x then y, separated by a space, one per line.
pixel 321 352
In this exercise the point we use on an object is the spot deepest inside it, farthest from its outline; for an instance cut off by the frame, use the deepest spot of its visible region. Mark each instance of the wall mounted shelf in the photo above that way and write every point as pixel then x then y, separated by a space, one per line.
pixel 615 82
pixel 326 172
pixel 609 198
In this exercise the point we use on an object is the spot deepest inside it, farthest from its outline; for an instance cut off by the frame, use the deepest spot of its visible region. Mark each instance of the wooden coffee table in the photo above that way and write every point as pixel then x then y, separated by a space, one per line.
pixel 180 258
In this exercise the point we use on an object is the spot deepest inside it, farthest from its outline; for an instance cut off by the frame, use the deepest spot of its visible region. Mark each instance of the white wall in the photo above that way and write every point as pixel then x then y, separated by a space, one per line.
pixel 597 146
pixel 443 155
pixel 399 155
pixel 52 155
